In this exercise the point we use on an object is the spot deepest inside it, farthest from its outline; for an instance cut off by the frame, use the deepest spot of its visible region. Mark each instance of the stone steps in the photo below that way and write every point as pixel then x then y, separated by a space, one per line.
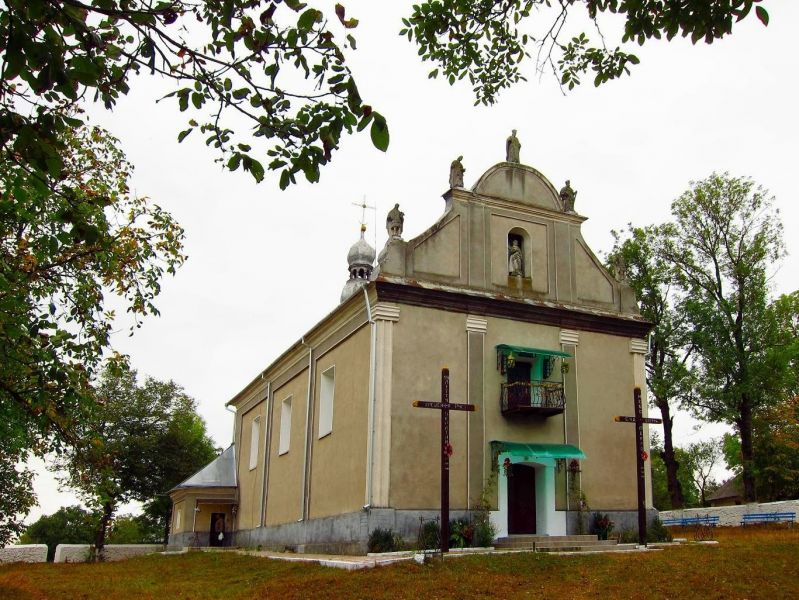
pixel 560 543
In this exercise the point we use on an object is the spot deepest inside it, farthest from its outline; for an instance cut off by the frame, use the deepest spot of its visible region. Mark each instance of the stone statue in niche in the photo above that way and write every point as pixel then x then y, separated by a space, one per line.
pixel 456 172
pixel 512 147
pixel 515 259
pixel 394 222
pixel 567 196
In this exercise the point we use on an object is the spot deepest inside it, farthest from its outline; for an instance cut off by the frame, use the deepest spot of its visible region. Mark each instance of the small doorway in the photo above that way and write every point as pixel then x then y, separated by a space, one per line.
pixel 218 531
pixel 521 499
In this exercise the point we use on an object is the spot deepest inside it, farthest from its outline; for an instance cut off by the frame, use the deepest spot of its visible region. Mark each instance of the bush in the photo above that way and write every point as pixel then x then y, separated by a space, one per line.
pixel 382 540
pixel 656 532
pixel 602 525
pixel 461 533
pixel 429 536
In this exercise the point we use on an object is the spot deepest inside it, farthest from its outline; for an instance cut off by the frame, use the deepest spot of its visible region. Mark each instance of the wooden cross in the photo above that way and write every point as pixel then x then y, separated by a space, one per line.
pixel 639 421
pixel 446 450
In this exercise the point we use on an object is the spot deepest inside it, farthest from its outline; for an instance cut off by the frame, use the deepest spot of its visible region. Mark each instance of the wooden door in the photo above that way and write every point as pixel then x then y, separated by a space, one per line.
pixel 521 499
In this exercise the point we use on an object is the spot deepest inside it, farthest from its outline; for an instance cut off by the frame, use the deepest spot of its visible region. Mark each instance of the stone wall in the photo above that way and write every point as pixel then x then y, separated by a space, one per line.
pixel 29 553
pixel 731 515
pixel 341 534
pixel 80 552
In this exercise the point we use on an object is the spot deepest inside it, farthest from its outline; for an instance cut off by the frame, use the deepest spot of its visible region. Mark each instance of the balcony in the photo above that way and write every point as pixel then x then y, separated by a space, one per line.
pixel 543 398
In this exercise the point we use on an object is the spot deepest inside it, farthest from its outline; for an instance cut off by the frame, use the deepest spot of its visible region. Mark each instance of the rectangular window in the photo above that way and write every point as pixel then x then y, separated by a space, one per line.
pixel 326 392
pixel 285 426
pixel 255 434
pixel 178 514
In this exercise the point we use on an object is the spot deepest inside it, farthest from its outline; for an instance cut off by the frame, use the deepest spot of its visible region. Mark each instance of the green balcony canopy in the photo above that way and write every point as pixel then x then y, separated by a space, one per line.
pixel 522 351
pixel 537 450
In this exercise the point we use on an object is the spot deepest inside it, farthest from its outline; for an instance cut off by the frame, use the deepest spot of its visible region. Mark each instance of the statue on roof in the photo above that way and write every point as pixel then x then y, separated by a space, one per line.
pixel 456 172
pixel 621 269
pixel 567 196
pixel 512 147
pixel 394 222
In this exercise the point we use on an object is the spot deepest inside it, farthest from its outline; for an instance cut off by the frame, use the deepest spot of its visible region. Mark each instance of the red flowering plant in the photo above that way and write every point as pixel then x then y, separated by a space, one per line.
pixel 602 525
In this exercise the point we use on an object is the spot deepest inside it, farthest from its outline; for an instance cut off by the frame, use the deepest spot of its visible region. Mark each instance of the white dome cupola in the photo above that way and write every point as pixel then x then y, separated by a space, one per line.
pixel 360 259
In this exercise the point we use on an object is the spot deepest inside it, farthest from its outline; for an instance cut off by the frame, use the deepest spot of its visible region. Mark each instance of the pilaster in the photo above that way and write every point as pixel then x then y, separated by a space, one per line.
pixel 384 316
pixel 475 438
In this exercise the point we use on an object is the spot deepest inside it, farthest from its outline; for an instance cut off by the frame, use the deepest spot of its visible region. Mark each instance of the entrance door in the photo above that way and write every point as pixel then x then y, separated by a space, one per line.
pixel 521 499
pixel 218 533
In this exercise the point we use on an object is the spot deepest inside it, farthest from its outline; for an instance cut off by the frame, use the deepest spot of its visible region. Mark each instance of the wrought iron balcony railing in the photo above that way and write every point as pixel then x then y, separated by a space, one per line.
pixel 533 397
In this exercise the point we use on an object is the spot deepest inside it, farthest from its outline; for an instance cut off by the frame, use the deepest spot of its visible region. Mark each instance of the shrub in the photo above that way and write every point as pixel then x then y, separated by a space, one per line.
pixel 602 525
pixel 382 540
pixel 656 532
pixel 461 533
pixel 429 536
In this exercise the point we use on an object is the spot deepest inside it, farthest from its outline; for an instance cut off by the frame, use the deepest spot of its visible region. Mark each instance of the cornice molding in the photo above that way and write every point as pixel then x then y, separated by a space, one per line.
pixel 558 316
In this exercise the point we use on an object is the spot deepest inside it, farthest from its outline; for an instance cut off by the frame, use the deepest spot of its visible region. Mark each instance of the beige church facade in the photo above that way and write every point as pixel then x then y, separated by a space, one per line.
pixel 536 333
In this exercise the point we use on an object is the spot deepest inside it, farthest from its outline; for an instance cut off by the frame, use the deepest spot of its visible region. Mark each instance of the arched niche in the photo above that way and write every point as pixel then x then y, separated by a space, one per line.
pixel 518 236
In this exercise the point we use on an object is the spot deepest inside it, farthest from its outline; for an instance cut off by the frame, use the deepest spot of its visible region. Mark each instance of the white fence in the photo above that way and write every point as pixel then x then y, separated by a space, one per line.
pixel 29 553
pixel 80 552
pixel 732 515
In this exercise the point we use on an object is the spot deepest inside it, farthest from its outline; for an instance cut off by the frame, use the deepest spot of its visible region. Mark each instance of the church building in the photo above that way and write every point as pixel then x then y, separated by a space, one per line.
pixel 504 292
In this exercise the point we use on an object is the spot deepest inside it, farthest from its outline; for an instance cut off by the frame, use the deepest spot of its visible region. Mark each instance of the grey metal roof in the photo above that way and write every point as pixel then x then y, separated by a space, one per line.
pixel 220 472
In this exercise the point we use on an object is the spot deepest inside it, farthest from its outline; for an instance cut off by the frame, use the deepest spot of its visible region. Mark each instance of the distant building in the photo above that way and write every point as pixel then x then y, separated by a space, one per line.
pixel 504 291
pixel 729 494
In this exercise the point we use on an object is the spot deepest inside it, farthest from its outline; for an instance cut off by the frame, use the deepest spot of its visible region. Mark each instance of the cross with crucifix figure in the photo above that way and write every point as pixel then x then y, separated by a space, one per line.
pixel 639 421
pixel 446 450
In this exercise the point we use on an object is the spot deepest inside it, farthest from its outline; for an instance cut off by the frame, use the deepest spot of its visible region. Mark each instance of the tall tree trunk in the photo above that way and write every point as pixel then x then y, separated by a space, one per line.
pixel 99 543
pixel 673 484
pixel 166 526
pixel 747 450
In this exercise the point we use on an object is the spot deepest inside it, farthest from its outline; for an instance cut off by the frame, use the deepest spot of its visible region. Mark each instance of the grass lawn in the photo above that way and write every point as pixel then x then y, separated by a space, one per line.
pixel 747 563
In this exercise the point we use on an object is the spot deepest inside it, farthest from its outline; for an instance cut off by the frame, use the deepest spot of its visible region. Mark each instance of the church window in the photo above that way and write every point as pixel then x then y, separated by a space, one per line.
pixel 178 515
pixel 285 426
pixel 255 434
pixel 326 393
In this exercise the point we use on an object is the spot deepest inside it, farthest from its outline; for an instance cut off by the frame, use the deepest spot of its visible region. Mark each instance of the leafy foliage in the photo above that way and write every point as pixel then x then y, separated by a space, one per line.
pixel 486 41
pixel 67 238
pixel 142 441
pixel 637 259
pixel 68 525
pixel 16 496
pixel 382 540
pixel 700 459
pixel 661 496
pixel 724 238
pixel 273 67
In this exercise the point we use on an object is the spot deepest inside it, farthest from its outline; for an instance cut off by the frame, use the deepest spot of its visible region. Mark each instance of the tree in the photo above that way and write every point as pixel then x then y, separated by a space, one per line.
pixel 16 496
pixel 142 441
pixel 134 529
pixel 68 525
pixel 724 237
pixel 661 495
pixel 636 259
pixel 486 42
pixel 273 67
pixel 66 240
pixel 701 458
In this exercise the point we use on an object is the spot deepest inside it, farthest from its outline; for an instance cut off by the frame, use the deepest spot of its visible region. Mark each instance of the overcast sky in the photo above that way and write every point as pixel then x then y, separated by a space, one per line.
pixel 266 265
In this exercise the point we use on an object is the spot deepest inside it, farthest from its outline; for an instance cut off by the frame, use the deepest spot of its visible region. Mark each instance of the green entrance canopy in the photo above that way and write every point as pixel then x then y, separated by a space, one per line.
pixel 537 450
pixel 522 351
